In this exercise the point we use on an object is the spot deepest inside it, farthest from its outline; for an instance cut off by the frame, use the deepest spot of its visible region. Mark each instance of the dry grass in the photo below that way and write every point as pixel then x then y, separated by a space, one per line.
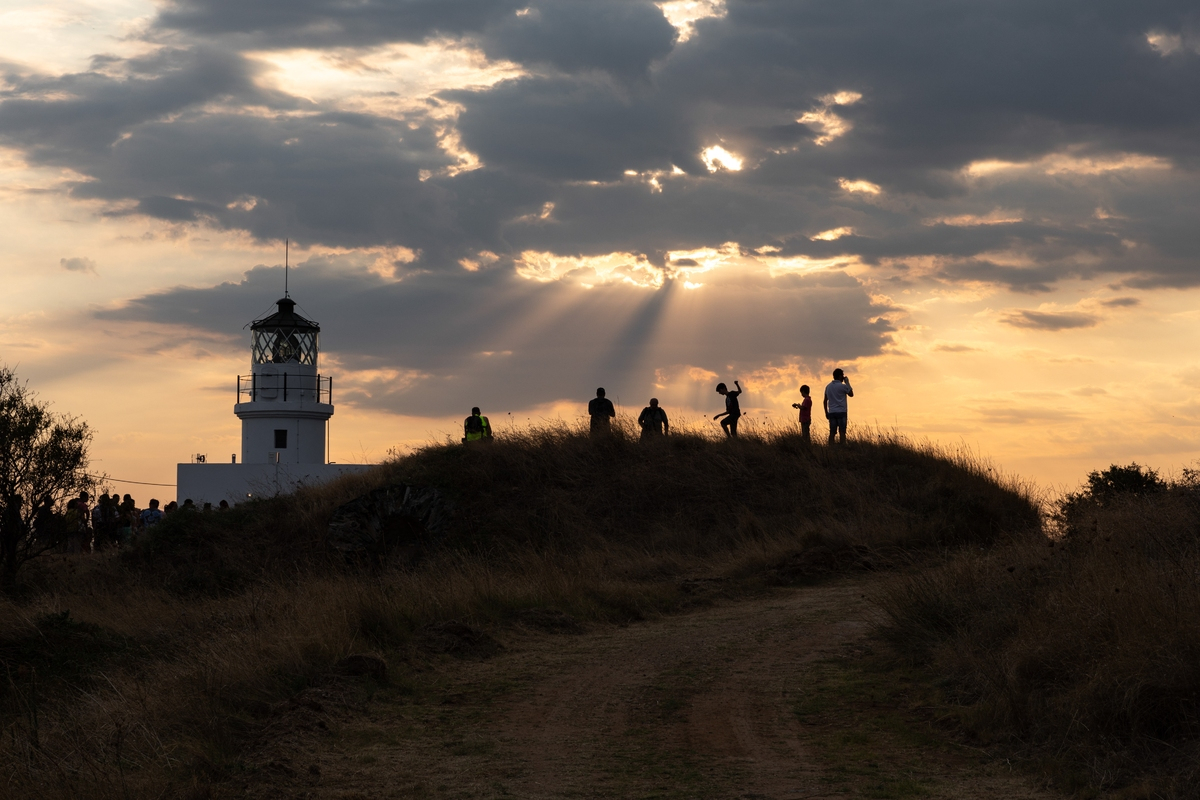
pixel 149 673
pixel 1081 648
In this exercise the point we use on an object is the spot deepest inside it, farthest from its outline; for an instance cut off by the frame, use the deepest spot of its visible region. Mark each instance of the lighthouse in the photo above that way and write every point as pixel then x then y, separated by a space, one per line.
pixel 284 405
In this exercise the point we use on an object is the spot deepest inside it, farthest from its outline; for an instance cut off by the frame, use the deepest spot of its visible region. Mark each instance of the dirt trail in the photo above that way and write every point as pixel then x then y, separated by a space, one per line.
pixel 746 699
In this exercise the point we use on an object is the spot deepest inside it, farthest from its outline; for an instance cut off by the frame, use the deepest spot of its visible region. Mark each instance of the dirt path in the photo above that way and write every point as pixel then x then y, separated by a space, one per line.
pixel 759 698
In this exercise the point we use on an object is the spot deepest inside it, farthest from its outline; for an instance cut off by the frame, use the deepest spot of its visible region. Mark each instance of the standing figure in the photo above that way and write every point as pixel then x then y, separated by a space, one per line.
pixel 83 518
pixel 653 420
pixel 836 407
pixel 805 407
pixel 47 526
pixel 152 515
pixel 476 428
pixel 601 410
pixel 126 513
pixel 732 410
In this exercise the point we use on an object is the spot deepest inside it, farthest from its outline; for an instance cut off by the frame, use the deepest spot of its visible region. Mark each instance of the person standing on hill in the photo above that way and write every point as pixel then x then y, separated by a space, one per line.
pixel 601 410
pixel 653 420
pixel 733 411
pixel 805 407
pixel 836 408
pixel 476 428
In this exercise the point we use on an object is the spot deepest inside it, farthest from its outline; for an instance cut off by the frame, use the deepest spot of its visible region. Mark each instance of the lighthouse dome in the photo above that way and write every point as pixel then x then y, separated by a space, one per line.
pixel 284 337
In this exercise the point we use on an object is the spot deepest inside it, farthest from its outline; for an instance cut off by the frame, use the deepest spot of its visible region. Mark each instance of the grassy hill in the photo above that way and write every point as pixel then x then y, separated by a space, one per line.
pixel 148 671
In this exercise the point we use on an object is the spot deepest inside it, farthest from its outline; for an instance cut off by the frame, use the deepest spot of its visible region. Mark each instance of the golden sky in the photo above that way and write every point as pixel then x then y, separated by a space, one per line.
pixel 509 204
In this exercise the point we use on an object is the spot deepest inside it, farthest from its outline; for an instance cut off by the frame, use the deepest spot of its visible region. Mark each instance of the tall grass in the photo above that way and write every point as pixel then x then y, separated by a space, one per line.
pixel 1081 647
pixel 149 672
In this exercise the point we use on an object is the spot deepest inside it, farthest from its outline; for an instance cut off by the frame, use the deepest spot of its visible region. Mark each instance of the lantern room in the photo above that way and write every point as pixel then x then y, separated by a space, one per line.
pixel 285 337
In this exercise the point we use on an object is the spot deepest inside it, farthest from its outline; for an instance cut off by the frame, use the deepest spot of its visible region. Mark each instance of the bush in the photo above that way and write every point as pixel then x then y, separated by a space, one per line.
pixel 1082 646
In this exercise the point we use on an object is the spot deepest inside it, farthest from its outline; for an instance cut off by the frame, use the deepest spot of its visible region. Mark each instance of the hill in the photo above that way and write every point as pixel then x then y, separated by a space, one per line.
pixel 148 671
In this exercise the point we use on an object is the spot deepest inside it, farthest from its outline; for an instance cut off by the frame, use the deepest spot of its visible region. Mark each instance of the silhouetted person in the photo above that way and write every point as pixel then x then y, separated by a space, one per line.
pixel 805 407
pixel 653 420
pixel 83 513
pixel 71 545
pixel 601 410
pixel 171 507
pixel 47 529
pixel 732 409
pixel 188 505
pixel 224 506
pixel 152 515
pixel 476 427
pixel 104 521
pixel 836 408
pixel 129 520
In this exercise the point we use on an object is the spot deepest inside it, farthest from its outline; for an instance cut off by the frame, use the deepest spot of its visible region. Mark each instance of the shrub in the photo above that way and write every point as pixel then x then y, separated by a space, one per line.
pixel 1081 647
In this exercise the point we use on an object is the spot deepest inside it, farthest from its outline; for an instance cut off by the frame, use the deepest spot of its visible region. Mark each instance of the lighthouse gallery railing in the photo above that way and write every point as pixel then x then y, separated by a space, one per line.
pixel 255 388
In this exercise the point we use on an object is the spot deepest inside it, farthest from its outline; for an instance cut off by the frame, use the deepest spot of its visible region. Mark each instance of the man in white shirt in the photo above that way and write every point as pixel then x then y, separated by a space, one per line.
pixel 836 407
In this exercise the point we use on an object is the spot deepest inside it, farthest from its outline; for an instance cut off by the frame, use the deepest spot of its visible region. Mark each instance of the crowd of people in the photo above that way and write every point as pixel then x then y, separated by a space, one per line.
pixel 111 522
pixel 654 423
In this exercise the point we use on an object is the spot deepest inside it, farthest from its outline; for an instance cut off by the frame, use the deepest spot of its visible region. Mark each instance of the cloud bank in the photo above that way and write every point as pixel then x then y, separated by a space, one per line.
pixel 555 199
pixel 869 117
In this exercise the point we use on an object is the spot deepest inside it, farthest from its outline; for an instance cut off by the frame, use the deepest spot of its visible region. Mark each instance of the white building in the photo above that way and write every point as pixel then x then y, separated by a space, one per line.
pixel 284 405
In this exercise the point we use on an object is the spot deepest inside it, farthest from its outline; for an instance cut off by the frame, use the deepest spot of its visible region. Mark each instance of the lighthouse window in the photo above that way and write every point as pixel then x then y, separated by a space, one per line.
pixel 275 346
pixel 281 439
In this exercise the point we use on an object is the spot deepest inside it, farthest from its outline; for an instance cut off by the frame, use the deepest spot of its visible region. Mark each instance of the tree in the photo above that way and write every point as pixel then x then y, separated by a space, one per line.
pixel 43 462
pixel 1117 481
pixel 1114 485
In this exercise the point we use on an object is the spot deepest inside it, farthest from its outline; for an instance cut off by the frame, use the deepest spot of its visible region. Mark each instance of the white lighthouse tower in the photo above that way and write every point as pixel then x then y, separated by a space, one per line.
pixel 284 405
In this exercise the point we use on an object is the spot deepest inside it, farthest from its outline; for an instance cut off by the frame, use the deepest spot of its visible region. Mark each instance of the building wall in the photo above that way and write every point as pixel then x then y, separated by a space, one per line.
pixel 212 483
pixel 305 439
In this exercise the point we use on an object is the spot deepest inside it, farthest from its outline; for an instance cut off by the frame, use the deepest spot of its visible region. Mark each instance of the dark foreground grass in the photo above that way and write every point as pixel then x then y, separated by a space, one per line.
pixel 1079 650
pixel 180 651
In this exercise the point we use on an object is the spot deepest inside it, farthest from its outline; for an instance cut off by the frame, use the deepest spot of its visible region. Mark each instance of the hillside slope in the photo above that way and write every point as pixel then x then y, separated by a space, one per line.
pixel 151 670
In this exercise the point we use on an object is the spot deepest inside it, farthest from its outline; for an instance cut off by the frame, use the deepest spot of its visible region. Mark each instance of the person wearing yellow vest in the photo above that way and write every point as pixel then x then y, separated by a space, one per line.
pixel 477 428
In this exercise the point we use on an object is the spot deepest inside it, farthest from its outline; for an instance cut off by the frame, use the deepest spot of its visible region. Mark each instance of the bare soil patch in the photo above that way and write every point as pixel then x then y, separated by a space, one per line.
pixel 758 698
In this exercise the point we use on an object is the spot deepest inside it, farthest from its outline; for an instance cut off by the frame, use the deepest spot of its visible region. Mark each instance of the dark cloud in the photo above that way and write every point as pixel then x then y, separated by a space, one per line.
pixel 189 134
pixel 78 264
pixel 622 37
pixel 330 23
pixel 498 340
pixel 575 129
pixel 955 348
pixel 1049 320
pixel 1121 302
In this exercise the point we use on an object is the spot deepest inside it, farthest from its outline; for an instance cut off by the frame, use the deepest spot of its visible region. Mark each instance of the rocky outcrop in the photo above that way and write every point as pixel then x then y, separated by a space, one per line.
pixel 398 517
